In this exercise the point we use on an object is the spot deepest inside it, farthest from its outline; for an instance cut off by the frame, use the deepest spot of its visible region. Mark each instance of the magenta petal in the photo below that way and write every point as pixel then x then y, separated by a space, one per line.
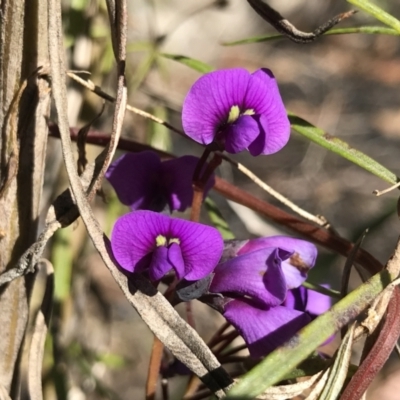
pixel 257 274
pixel 176 260
pixel 264 329
pixel 201 247
pixel 296 267
pixel 159 264
pixel 208 102
pixel 134 237
pixel 240 134
pixel 134 178
pixel 177 177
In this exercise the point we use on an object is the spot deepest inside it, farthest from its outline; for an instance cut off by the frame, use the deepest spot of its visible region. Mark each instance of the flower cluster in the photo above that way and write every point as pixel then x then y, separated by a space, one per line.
pixel 255 284
pixel 257 277
pixel 259 280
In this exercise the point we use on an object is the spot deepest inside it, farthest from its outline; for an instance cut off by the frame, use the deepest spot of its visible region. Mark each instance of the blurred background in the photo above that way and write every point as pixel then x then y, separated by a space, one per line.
pixel 346 85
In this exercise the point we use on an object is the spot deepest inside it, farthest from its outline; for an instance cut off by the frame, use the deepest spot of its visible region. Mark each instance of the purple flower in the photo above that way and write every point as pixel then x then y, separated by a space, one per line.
pixel 256 277
pixel 265 268
pixel 307 300
pixel 264 329
pixel 142 181
pixel 238 111
pixel 145 241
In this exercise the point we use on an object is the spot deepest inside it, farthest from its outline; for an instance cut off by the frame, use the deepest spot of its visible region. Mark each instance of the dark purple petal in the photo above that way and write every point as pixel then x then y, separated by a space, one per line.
pixel 135 178
pixel 134 237
pixel 176 178
pixel 296 299
pixel 240 134
pixel 264 329
pixel 263 96
pixel 201 247
pixel 257 274
pixel 207 105
pixel 160 263
pixel 296 267
pixel 176 260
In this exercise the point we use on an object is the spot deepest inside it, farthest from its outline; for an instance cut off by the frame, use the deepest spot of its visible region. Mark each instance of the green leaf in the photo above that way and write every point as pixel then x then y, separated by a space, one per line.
pixel 339 369
pixel 341 148
pixel 284 359
pixel 340 31
pixel 320 289
pixel 62 259
pixel 217 219
pixel 197 65
pixel 378 13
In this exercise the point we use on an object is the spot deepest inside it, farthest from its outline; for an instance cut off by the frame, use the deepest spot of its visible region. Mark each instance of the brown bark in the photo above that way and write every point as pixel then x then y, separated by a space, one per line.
pixel 24 108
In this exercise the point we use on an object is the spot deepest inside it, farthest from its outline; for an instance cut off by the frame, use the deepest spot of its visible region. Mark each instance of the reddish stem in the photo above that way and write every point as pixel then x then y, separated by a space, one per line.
pixel 154 369
pixel 217 335
pixel 379 353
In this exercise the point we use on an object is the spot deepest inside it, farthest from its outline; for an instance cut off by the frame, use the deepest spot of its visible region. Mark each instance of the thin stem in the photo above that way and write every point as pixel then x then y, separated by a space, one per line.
pixel 199 181
pixel 198 193
pixel 321 289
pixel 319 220
pixel 157 353
pixel 88 84
pixel 389 189
pixel 233 359
pixel 189 314
pixel 230 337
pixel 233 351
pixel 164 388
pixel 216 337
pixel 154 368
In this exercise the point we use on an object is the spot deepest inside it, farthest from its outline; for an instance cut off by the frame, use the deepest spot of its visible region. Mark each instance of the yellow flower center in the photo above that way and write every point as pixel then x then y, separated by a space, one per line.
pixel 234 113
pixel 164 241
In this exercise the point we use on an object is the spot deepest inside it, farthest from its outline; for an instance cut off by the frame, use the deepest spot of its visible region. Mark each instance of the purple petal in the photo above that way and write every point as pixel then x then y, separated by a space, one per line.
pixel 304 299
pixel 176 260
pixel 263 96
pixel 257 274
pixel 264 329
pixel 201 247
pixel 160 263
pixel 135 178
pixel 134 237
pixel 295 268
pixel 176 178
pixel 296 299
pixel 240 134
pixel 317 303
pixel 207 105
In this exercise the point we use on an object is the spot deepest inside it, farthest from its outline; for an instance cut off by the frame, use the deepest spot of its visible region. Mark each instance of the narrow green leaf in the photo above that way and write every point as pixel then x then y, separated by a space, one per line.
pixel 341 148
pixel 217 219
pixel 197 65
pixel 281 361
pixel 340 31
pixel 378 13
pixel 323 290
pixel 339 369
pixel 62 259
